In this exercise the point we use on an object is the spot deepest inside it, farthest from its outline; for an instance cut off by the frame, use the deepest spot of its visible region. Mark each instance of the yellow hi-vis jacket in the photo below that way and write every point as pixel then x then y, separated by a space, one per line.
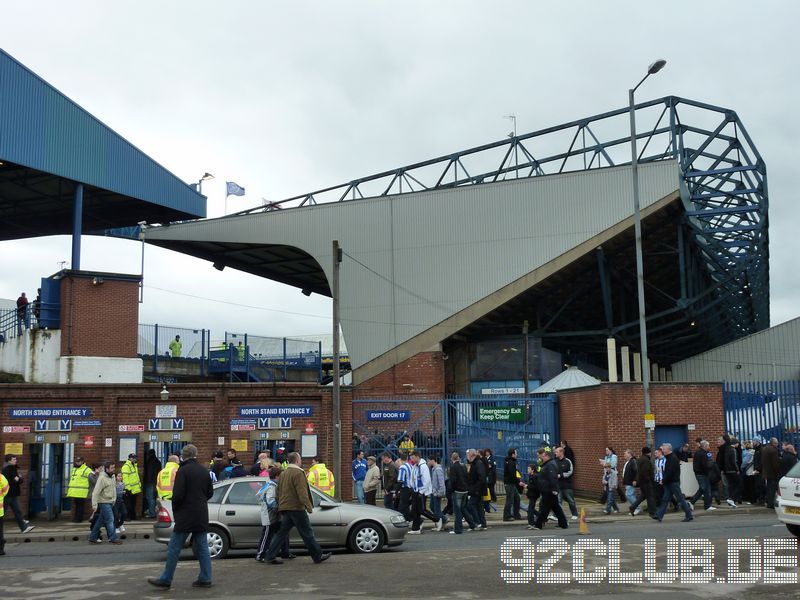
pixel 130 478
pixel 166 480
pixel 3 492
pixel 320 477
pixel 78 486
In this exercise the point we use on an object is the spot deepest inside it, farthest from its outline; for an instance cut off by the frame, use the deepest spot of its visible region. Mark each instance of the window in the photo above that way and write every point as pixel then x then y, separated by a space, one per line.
pixel 219 492
pixel 794 471
pixel 243 493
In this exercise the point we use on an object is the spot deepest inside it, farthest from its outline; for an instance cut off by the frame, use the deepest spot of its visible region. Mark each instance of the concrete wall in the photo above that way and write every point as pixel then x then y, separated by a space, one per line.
pixel 611 414
pixel 34 355
pixel 98 369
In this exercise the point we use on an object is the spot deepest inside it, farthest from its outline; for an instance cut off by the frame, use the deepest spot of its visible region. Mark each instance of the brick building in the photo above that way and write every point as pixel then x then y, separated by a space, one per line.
pixel 46 424
pixel 611 414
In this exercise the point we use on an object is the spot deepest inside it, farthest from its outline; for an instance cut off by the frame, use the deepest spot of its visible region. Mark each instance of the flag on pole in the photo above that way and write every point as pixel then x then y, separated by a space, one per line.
pixel 234 189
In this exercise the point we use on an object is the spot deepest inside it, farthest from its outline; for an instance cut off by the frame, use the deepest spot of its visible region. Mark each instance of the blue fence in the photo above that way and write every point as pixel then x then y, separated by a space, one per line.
pixel 763 409
pixel 440 426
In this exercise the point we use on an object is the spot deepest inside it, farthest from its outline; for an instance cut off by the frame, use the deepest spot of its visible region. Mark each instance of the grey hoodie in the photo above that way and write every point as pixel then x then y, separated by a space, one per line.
pixel 105 490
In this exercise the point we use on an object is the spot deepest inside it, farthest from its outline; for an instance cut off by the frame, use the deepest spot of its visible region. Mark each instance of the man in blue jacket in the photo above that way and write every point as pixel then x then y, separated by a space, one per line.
pixel 359 473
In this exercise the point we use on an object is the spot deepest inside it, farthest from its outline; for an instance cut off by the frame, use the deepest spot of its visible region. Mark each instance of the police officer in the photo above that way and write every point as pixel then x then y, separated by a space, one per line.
pixel 165 480
pixel 132 483
pixel 320 477
pixel 78 487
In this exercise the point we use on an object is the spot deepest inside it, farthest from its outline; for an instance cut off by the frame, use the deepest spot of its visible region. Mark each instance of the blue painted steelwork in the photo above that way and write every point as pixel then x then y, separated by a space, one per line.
pixel 77 227
pixel 763 409
pixel 42 129
pixel 723 188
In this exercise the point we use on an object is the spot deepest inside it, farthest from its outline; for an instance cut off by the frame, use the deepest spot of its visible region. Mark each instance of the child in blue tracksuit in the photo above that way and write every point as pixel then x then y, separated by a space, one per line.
pixel 610 487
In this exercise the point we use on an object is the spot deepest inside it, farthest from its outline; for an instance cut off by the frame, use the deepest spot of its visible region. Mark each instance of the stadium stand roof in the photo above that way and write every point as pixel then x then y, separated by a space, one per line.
pixel 48 144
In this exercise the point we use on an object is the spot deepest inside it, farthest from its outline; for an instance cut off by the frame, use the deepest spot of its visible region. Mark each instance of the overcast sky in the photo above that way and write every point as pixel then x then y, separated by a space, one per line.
pixel 285 98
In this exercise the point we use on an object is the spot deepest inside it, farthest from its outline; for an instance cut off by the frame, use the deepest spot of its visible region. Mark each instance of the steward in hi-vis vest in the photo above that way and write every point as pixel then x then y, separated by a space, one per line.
pixel 78 486
pixel 166 478
pixel 320 477
pixel 3 491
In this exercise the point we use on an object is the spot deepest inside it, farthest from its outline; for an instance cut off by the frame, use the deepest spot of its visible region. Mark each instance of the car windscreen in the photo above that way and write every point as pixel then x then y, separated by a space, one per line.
pixel 794 471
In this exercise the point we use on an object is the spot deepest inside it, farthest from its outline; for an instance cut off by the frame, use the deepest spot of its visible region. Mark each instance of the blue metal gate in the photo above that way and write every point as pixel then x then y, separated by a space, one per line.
pixel 763 409
pixel 440 426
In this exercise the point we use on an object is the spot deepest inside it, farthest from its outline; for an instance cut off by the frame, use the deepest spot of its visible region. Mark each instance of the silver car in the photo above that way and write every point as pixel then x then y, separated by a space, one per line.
pixel 234 516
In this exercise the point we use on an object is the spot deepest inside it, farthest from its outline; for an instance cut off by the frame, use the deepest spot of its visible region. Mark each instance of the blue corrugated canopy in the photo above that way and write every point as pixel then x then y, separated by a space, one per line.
pixel 48 144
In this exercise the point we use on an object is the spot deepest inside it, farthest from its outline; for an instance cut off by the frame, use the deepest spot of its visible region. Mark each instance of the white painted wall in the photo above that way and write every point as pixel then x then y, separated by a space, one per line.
pixel 96 369
pixel 34 355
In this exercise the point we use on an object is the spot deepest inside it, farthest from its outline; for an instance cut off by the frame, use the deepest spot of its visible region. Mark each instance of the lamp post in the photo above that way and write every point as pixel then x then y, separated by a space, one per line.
pixel 637 220
pixel 205 177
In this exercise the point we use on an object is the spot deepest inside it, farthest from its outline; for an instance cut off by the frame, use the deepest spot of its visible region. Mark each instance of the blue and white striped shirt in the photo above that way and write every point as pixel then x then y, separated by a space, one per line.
pixel 404 476
pixel 659 475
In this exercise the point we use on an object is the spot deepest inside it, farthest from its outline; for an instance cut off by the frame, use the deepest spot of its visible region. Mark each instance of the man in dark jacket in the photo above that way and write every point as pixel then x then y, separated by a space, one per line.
pixel 457 476
pixel 760 490
pixel 547 482
pixel 726 459
pixel 152 467
pixel 476 484
pixel 672 485
pixel 770 468
pixel 565 486
pixel 190 495
pixel 700 468
pixel 389 483
pixel 511 479
pixel 11 500
pixel 788 460
pixel 629 470
pixel 644 480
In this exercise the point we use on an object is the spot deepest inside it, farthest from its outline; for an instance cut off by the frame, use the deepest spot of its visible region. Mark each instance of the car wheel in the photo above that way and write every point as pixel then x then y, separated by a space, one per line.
pixel 366 538
pixel 793 529
pixel 218 544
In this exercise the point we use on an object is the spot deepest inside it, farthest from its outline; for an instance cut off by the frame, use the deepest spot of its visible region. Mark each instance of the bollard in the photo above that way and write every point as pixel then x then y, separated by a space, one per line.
pixel 583 528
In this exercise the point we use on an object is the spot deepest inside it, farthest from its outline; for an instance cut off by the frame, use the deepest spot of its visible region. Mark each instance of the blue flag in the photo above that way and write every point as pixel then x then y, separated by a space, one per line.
pixel 234 189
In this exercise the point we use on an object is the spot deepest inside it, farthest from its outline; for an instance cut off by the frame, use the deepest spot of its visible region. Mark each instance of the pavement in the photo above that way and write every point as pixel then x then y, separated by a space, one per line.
pixel 64 530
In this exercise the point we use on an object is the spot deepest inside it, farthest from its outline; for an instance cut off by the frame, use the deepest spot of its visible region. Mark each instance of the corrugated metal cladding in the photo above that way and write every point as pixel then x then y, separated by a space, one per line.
pixel 769 355
pixel 412 261
pixel 42 129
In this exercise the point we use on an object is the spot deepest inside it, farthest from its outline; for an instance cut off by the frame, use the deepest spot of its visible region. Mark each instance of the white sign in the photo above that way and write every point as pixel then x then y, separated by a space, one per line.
pixel 166 411
pixel 690 427
pixel 308 446
pixel 502 391
pixel 109 442
pixel 220 441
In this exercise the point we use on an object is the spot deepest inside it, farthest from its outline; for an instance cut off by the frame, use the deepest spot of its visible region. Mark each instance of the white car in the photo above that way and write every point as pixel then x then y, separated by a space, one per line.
pixel 787 506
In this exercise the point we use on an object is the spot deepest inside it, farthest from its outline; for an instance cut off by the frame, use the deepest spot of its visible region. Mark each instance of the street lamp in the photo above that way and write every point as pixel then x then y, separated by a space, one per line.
pixel 205 177
pixel 637 220
pixel 164 393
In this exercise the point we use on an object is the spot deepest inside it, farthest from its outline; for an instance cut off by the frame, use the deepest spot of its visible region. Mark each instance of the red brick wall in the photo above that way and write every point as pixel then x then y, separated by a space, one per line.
pixel 99 320
pixel 423 373
pixel 206 409
pixel 612 414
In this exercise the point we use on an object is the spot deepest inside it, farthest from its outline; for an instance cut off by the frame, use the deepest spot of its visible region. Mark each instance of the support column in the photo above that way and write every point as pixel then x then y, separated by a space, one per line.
pixel 654 371
pixel 637 367
pixel 611 344
pixel 662 374
pixel 625 359
pixel 77 227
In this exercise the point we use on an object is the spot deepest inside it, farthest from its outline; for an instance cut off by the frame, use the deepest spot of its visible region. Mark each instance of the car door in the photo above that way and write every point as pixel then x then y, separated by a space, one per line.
pixel 326 522
pixel 241 512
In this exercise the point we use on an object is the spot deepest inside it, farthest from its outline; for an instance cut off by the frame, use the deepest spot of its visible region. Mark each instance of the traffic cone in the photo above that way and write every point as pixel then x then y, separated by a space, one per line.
pixel 583 528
